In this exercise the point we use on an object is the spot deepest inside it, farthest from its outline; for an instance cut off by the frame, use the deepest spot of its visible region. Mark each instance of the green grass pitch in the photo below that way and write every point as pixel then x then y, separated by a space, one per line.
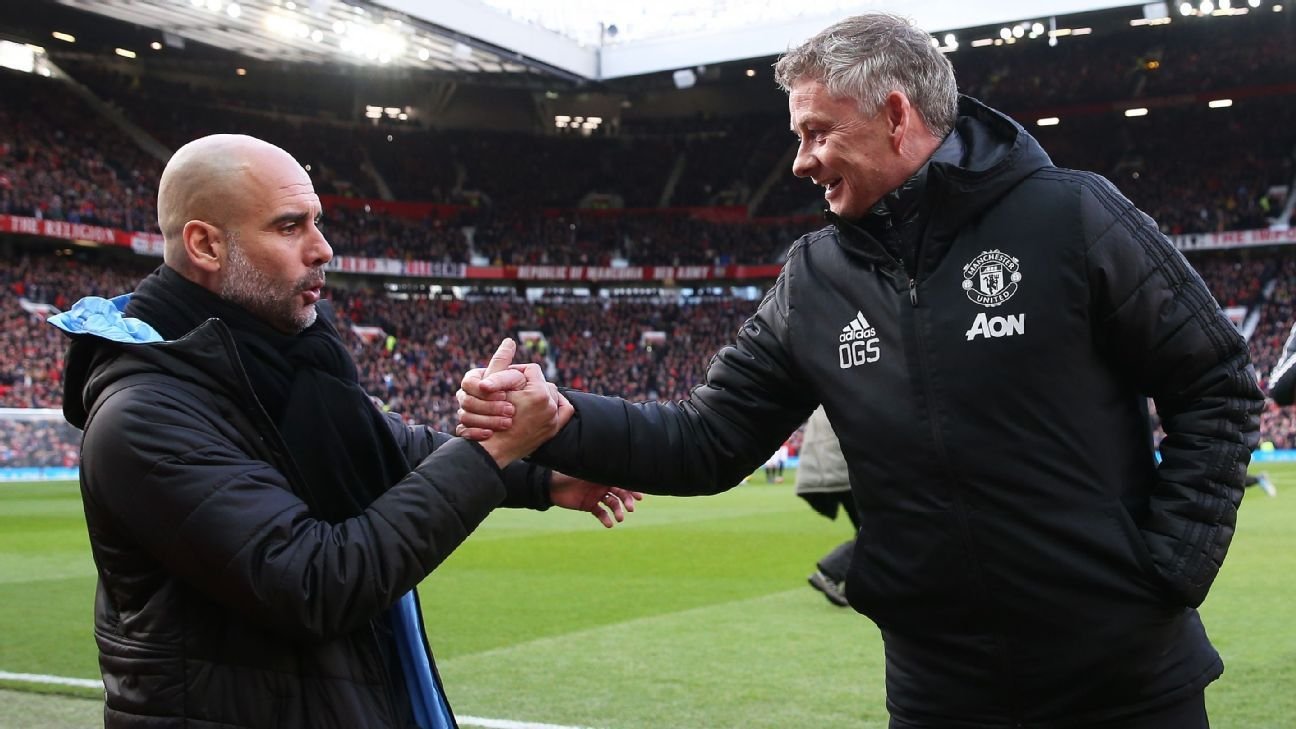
pixel 694 613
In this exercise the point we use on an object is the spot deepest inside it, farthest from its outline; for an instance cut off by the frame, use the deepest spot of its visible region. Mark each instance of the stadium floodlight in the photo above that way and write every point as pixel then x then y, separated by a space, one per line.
pixel 1253 3
pixel 65 37
pixel 1049 121
pixel 233 10
pixel 979 42
pixel 424 54
pixel 684 78
pixel 1207 7
pixel 124 53
pixel 1225 5
pixel 1005 33
pixel 1018 31
pixel 1220 103
pixel 1156 11
pixel 1140 111
pixel 1185 8
pixel 214 5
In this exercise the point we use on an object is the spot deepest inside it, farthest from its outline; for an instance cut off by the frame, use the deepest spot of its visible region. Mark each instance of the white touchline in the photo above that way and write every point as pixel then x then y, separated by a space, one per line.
pixel 507 724
pixel 59 680
pixel 98 684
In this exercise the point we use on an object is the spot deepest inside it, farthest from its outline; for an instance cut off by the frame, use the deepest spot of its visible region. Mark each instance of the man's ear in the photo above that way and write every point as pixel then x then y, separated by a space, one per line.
pixel 899 115
pixel 204 246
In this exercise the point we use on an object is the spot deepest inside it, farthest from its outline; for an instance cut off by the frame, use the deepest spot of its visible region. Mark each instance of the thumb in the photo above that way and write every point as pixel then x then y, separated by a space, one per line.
pixel 503 357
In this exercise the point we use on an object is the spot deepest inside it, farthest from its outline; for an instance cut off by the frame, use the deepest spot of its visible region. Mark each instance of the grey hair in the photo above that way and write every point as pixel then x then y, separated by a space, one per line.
pixel 868 56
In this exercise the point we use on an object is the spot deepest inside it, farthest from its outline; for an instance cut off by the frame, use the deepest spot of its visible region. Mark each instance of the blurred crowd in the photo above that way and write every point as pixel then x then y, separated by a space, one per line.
pixel 412 349
pixel 524 199
pixel 1193 169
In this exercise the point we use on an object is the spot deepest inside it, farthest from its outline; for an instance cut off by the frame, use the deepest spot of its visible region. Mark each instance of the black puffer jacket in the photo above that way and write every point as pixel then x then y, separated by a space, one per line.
pixel 1028 561
pixel 221 601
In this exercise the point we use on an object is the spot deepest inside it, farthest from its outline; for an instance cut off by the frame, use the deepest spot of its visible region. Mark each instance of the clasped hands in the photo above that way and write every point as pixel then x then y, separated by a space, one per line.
pixel 511 411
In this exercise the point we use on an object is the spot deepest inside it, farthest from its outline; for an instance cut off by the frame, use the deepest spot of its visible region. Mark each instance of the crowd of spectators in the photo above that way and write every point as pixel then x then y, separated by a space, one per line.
pixel 594 240
pixel 412 350
pixel 48 443
pixel 59 161
pixel 1192 168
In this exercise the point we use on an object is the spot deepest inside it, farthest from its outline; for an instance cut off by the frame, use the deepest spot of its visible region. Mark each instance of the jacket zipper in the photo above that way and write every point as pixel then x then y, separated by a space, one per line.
pixel 938 445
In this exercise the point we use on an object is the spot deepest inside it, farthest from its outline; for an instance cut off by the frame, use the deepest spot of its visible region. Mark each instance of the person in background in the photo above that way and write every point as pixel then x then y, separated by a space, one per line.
pixel 259 525
pixel 823 480
pixel 775 464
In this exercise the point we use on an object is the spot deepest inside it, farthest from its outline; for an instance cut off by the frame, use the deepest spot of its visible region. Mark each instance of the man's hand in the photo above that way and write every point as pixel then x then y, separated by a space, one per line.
pixel 486 400
pixel 604 502
pixel 524 411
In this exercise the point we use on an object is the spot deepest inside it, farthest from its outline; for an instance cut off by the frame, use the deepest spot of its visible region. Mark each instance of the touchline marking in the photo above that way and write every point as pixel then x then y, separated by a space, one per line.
pixel 59 680
pixel 463 720
pixel 507 724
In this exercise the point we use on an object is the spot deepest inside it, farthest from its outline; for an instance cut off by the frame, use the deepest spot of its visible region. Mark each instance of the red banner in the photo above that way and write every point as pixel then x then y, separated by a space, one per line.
pixel 151 244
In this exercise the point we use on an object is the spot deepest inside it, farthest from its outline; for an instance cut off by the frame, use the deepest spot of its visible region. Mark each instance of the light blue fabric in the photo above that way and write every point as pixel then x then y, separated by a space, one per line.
pixel 430 708
pixel 103 318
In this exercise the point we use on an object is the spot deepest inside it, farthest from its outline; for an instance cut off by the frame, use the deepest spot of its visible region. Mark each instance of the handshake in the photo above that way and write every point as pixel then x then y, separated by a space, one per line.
pixel 510 410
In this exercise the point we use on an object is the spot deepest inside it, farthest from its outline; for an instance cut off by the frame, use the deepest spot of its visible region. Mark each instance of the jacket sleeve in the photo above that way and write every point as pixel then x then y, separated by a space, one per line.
pixel 1153 317
pixel 1282 381
pixel 751 399
pixel 227 523
pixel 526 485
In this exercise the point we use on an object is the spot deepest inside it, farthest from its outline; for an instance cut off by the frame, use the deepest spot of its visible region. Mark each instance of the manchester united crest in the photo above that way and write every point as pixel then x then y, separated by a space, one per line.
pixel 991 278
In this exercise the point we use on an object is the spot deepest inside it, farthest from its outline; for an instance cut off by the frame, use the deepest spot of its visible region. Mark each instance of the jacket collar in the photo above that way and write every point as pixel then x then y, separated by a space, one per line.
pixel 980 160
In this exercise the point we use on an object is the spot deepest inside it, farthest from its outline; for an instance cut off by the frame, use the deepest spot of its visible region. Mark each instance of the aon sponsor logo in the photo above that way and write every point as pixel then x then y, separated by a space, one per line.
pixel 997 326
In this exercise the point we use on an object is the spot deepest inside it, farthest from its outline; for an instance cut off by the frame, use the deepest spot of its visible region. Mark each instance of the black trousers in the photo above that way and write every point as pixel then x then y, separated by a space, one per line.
pixel 836 563
pixel 1187 714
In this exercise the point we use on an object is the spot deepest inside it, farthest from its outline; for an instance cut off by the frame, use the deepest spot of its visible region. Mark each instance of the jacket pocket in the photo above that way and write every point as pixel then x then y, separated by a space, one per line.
pixel 912 569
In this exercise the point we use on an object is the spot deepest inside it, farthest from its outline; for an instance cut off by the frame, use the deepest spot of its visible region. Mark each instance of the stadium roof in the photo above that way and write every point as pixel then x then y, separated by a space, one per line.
pixel 577 39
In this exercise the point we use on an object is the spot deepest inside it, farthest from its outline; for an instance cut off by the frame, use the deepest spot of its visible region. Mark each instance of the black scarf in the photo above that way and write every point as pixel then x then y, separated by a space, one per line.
pixel 307 383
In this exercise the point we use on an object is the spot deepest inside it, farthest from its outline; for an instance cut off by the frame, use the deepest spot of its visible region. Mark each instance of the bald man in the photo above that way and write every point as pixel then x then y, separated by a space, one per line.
pixel 258 525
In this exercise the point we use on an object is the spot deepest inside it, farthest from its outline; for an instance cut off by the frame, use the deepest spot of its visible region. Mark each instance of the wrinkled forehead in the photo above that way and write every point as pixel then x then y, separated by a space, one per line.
pixel 275 180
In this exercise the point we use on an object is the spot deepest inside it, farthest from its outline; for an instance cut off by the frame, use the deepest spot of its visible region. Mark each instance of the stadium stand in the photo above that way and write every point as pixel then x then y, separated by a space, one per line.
pixel 694 188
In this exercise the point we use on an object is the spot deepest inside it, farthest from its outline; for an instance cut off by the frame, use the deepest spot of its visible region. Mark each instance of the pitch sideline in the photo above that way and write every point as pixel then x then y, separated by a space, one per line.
pixel 474 721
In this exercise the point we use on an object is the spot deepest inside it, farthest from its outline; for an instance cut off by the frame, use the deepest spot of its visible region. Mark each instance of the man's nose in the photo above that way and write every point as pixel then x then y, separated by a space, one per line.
pixel 803 163
pixel 320 251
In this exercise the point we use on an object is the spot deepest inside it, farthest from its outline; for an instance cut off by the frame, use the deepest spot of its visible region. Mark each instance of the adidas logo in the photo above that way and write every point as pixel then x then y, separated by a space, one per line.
pixel 858 343
pixel 857 329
